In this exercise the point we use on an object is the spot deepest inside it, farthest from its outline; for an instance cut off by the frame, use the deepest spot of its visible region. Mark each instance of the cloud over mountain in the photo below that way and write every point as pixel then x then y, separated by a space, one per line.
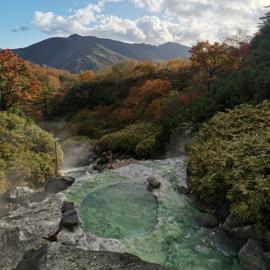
pixel 184 21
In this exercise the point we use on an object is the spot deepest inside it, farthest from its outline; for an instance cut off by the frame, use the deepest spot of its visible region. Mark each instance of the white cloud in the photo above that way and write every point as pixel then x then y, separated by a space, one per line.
pixel 152 5
pixel 183 21
pixel 117 28
pixel 156 31
pixel 213 19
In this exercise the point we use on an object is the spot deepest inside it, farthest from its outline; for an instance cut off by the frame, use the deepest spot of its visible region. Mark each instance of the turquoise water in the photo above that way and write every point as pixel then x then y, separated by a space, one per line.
pixel 103 213
pixel 160 228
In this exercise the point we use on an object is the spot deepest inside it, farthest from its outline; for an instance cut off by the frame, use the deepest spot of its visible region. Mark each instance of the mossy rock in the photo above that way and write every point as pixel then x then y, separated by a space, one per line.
pixel 27 154
pixel 231 161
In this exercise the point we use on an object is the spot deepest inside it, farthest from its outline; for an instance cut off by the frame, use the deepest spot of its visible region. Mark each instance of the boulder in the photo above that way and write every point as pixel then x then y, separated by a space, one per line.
pixel 67 206
pixel 232 222
pixel 34 259
pixel 153 182
pixel 243 233
pixel 58 184
pixel 70 217
pixel 251 256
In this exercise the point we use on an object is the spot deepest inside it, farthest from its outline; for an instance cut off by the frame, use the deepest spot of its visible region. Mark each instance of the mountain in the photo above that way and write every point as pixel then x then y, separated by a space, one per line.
pixel 77 53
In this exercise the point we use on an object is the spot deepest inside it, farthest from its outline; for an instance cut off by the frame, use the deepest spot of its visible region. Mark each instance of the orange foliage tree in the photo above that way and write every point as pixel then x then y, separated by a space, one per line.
pixel 54 85
pixel 142 99
pixel 177 64
pixel 150 90
pixel 87 76
pixel 211 60
pixel 16 85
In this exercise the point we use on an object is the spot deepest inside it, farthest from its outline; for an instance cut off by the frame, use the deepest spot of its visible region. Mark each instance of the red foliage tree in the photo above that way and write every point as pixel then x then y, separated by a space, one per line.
pixel 16 85
pixel 184 100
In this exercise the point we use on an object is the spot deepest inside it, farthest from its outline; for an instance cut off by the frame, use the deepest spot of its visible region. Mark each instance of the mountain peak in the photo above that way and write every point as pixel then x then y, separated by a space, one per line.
pixel 90 52
pixel 74 36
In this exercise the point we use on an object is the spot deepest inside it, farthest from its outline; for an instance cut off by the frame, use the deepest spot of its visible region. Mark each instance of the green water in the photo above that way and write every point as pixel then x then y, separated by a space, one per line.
pixel 117 204
pixel 103 213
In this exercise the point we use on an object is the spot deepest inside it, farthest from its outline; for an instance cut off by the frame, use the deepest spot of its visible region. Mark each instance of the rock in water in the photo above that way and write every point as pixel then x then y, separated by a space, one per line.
pixel 251 256
pixel 67 206
pixel 70 217
pixel 153 182
pixel 58 184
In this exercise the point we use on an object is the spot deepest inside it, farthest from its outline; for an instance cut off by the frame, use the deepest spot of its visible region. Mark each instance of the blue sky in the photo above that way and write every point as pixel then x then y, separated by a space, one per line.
pixel 149 21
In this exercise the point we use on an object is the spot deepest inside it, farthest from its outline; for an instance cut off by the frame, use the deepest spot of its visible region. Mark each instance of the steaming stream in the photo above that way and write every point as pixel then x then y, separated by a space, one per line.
pixel 120 214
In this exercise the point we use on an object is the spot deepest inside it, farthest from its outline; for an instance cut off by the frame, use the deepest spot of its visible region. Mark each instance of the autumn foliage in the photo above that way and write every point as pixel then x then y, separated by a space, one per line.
pixel 16 85
pixel 211 60
pixel 167 94
pixel 87 76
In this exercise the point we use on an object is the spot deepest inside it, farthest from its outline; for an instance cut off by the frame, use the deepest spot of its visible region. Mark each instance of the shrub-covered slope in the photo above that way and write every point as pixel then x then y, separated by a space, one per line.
pixel 231 161
pixel 26 152
pixel 137 139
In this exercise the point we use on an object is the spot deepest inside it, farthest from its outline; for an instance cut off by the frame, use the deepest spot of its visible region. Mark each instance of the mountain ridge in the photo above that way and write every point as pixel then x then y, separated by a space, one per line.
pixel 77 53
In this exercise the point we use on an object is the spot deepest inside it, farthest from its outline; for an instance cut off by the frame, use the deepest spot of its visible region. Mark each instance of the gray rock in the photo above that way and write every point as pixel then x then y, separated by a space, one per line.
pixel 208 221
pixel 251 256
pixel 69 219
pixel 34 259
pixel 231 222
pixel 60 257
pixel 20 192
pixel 202 249
pixel 58 184
pixel 37 196
pixel 243 233
pixel 23 229
pixel 223 242
pixel 153 182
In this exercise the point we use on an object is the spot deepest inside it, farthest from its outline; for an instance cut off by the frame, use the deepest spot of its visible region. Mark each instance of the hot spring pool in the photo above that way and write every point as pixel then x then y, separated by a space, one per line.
pixel 121 215
pixel 124 210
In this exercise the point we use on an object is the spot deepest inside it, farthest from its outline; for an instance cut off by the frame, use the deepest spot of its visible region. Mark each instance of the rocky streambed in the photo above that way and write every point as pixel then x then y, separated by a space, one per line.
pixel 119 216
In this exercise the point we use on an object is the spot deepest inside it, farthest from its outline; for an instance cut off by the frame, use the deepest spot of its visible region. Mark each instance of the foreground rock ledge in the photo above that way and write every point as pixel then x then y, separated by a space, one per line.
pixel 59 257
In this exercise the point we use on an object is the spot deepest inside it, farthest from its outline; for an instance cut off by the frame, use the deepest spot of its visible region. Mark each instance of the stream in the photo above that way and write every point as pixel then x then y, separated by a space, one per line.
pixel 120 214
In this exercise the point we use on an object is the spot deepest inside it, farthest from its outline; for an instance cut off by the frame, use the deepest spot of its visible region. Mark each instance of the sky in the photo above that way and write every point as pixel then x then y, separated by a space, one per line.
pixel 135 21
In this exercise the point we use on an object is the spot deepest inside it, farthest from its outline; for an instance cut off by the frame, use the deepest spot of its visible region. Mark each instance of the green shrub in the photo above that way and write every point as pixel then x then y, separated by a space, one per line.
pixel 145 149
pixel 128 139
pixel 231 160
pixel 26 152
